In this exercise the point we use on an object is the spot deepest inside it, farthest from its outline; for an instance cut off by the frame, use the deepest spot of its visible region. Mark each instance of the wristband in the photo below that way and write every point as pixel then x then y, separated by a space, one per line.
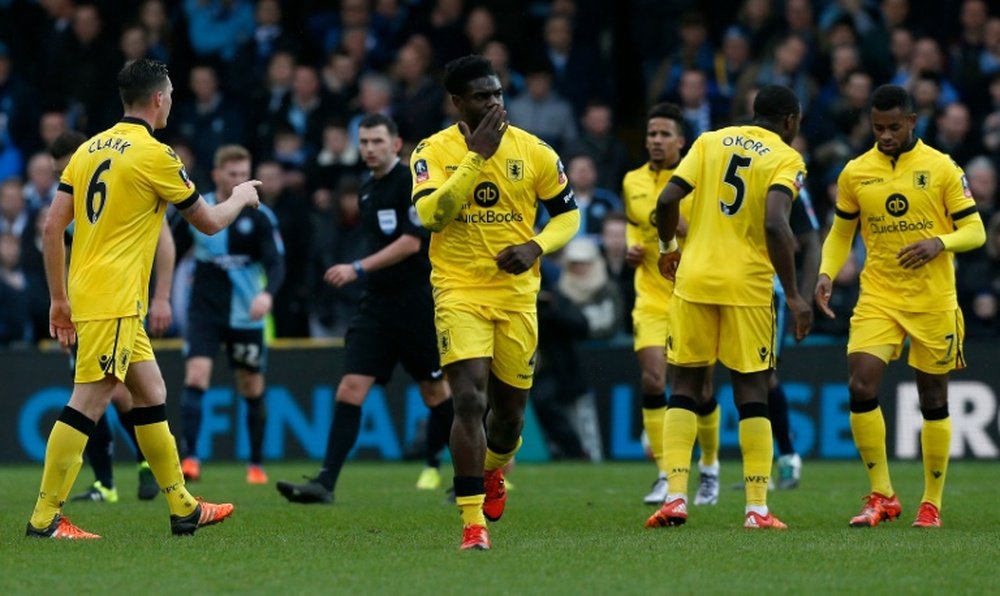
pixel 669 247
pixel 358 269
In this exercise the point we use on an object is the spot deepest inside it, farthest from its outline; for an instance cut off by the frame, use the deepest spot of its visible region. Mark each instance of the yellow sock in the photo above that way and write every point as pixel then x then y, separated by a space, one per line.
pixel 680 426
pixel 652 422
pixel 471 508
pixel 757 446
pixel 935 440
pixel 708 436
pixel 63 458
pixel 496 460
pixel 160 449
pixel 868 429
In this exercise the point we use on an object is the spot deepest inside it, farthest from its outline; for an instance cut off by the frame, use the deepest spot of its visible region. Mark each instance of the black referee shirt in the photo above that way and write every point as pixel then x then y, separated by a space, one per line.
pixel 387 214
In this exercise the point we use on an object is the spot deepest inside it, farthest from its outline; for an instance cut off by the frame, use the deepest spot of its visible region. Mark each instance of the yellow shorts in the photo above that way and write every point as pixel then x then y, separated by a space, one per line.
pixel 935 337
pixel 107 347
pixel 510 338
pixel 650 324
pixel 742 337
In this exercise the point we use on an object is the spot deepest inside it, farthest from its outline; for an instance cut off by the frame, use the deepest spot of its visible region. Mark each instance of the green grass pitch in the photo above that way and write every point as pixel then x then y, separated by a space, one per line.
pixel 568 528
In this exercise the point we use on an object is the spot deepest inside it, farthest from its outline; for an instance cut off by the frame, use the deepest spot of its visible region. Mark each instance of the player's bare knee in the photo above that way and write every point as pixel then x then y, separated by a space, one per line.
pixel 932 390
pixel 249 384
pixel 197 372
pixel 862 389
pixel 470 404
pixel 653 381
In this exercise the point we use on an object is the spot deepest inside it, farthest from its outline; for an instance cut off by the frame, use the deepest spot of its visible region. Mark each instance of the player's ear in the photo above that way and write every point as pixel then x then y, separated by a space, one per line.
pixel 397 144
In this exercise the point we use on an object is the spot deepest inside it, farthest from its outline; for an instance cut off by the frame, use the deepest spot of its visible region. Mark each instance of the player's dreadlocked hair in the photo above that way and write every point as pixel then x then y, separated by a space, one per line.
pixel 460 71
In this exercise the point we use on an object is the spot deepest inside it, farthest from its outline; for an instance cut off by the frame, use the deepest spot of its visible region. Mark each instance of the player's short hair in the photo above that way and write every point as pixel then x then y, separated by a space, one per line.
pixel 887 97
pixel 460 71
pixel 373 120
pixel 775 102
pixel 228 153
pixel 669 111
pixel 138 79
pixel 66 143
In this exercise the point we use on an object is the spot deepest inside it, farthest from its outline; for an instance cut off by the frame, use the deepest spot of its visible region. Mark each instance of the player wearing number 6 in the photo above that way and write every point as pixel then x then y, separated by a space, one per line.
pixel 742 181
pixel 116 188
pixel 915 209
pixel 236 275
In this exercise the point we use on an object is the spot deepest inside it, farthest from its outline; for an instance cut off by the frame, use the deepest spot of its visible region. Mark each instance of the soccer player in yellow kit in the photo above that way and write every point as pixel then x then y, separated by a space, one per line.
pixel 477 185
pixel 742 181
pixel 913 203
pixel 650 318
pixel 116 187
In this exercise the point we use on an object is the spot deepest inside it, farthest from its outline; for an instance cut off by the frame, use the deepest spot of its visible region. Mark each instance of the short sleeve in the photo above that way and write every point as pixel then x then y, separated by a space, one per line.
pixel 791 174
pixel 426 169
pixel 957 194
pixel 690 166
pixel 847 200
pixel 169 178
pixel 550 175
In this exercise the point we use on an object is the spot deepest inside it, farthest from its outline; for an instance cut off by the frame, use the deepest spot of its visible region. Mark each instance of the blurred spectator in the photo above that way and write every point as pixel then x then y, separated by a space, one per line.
pixel 418 97
pixel 700 115
pixel 844 59
pixel 989 57
pixel 979 286
pixel 982 177
pixel 968 48
pixel 927 58
pixel 338 239
pixel 268 101
pixel 18 114
pixel 926 95
pixel 84 70
pixel 15 218
pixel 445 31
pixel 337 158
pixel 785 66
pixel 306 109
pixel 499 56
pixel 730 62
pixel 543 112
pixel 14 295
pixel 374 97
pixel 134 42
pixel 208 120
pixel 757 18
pixel 33 266
pixel 951 134
pixel 598 140
pixel 52 124
pixel 291 303
pixel 480 28
pixel 585 282
pixel 42 183
pixel 594 202
pixel 577 74
pixel 862 16
pixel 218 28
pixel 614 246
pixel 340 82
pixel 901 45
pixel 269 37
pixel 845 122
pixel 694 53
pixel 199 175
pixel 159 28
pixel 991 121
pixel 289 150
pixel 799 19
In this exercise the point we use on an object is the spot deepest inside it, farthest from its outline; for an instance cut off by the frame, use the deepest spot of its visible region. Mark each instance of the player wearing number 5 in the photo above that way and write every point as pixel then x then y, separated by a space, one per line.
pixel 236 275
pixel 116 188
pixel 915 209
pixel 742 181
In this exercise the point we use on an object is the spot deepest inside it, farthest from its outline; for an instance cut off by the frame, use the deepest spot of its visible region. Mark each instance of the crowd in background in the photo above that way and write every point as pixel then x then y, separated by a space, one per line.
pixel 290 80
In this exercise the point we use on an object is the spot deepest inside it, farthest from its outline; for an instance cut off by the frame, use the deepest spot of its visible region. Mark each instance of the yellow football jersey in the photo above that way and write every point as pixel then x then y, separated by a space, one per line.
pixel 731 170
pixel 120 180
pixel 640 190
pixel 500 213
pixel 898 202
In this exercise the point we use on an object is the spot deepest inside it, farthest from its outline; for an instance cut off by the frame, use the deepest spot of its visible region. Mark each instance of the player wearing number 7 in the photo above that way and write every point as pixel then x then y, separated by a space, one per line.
pixel 915 209
pixel 116 188
pixel 742 181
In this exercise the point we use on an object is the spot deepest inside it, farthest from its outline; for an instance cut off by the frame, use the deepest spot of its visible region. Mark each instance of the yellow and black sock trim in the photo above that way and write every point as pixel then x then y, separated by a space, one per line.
pixel 683 402
pixel 939 413
pixel 861 407
pixel 752 410
pixel 653 401
pixel 708 407
pixel 149 415
pixel 467 486
pixel 75 419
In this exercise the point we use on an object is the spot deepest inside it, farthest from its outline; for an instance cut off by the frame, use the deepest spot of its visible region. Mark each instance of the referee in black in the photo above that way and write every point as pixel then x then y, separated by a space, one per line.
pixel 395 321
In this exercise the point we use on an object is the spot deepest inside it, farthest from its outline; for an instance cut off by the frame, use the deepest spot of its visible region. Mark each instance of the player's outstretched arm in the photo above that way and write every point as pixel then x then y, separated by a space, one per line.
pixel 210 219
pixel 781 249
pixel 54 256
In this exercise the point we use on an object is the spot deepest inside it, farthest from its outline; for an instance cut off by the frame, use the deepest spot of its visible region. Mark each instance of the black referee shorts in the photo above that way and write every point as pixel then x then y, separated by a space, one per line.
pixel 390 329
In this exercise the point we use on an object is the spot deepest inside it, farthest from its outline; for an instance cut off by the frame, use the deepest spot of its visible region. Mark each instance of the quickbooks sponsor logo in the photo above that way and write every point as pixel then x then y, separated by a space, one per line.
pixel 490 217
pixel 900 226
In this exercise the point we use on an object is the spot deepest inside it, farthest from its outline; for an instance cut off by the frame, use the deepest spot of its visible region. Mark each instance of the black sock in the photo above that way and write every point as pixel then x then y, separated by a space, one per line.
pixel 777 406
pixel 191 419
pixel 256 420
pixel 126 420
pixel 99 450
pixel 438 431
pixel 343 434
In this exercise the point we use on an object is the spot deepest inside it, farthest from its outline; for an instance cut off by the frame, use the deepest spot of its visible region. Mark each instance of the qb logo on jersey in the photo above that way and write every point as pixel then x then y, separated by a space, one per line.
pixel 486 194
pixel 897 205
